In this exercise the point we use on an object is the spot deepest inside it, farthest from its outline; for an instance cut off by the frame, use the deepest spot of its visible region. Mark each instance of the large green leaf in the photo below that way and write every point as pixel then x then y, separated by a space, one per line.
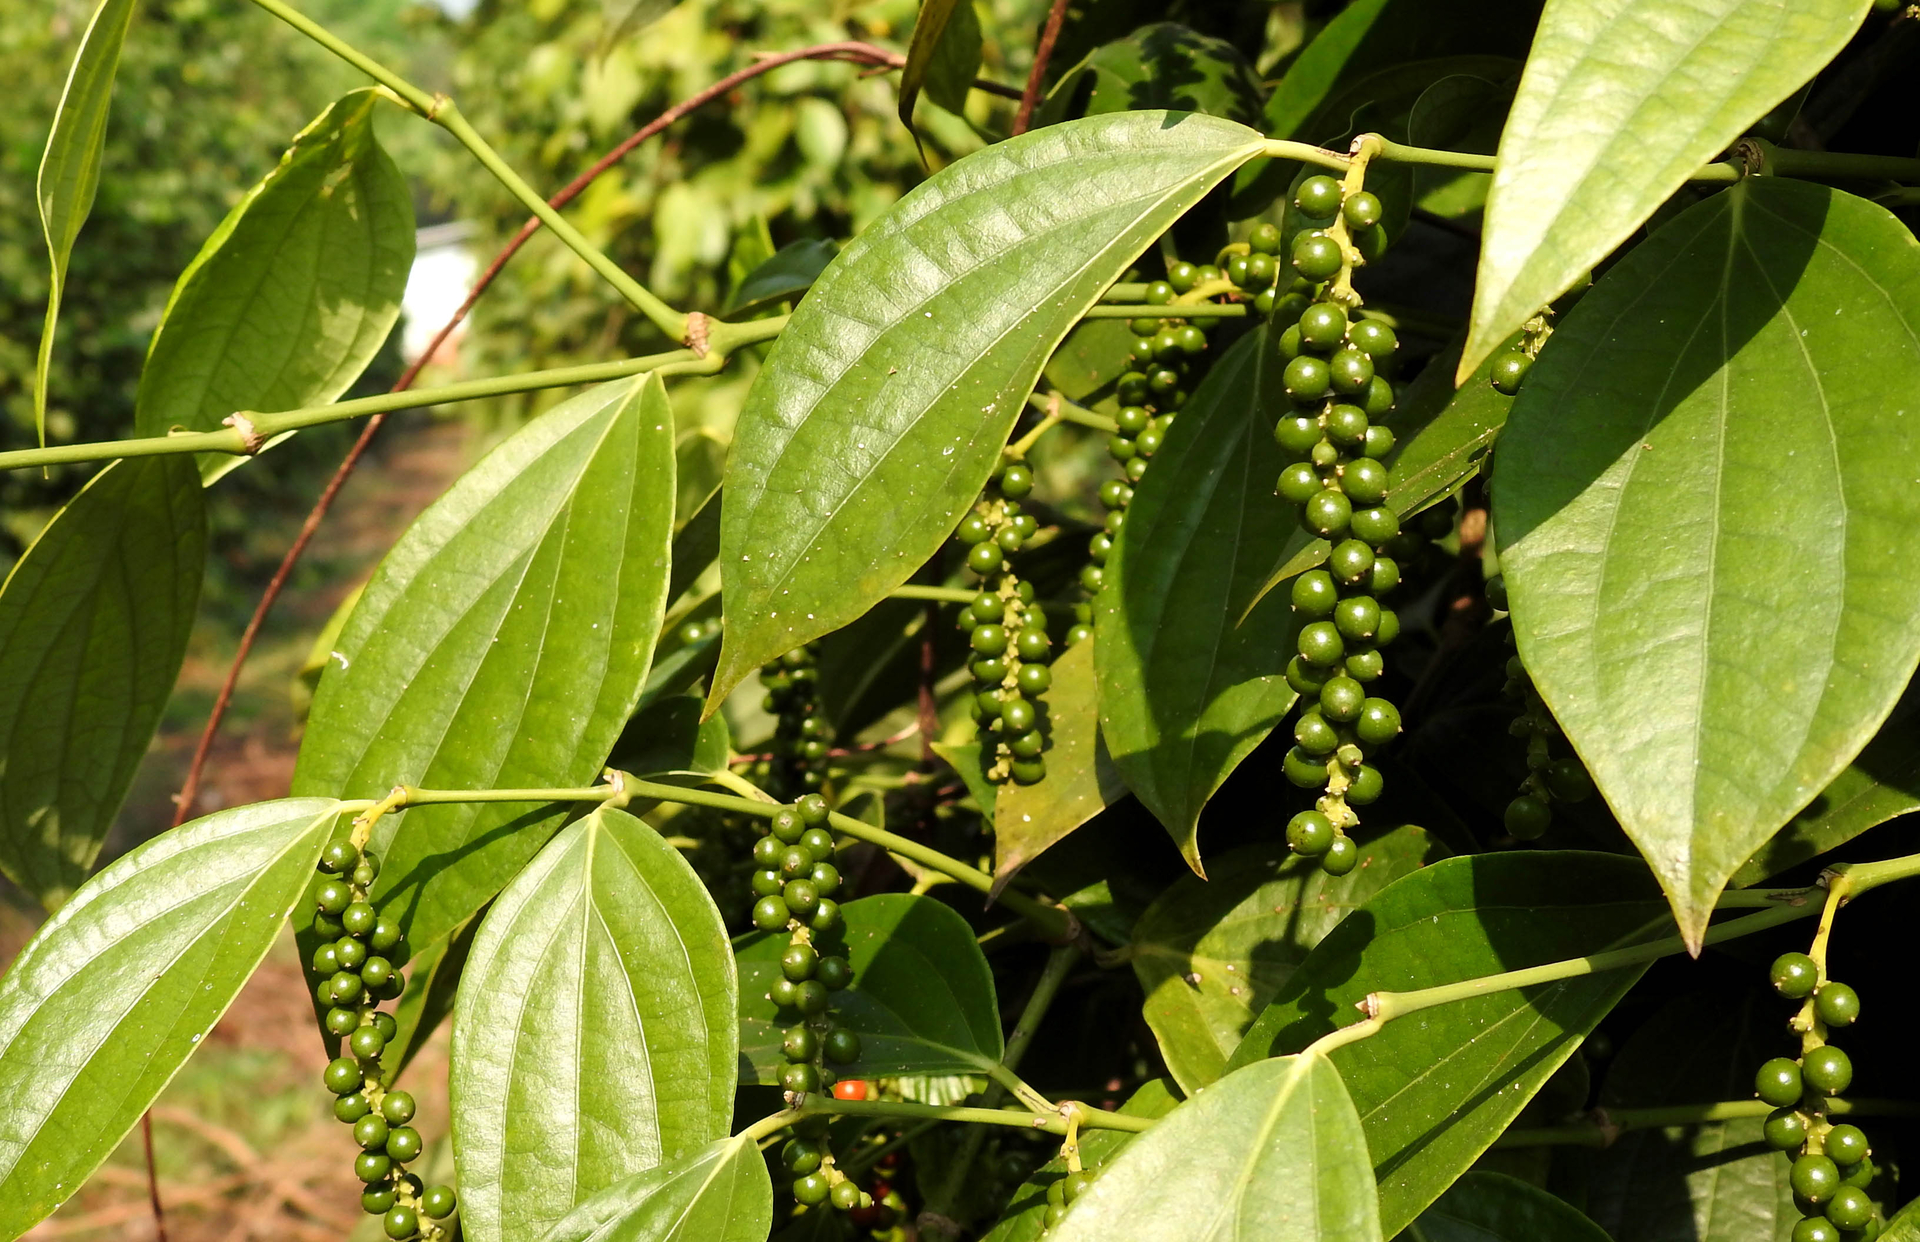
pixel 70 167
pixel 594 1033
pixel 1271 1151
pixel 294 293
pixel 721 1193
pixel 1713 1182
pixel 1492 1207
pixel 1211 953
pixel 1187 692
pixel 1621 101
pixel 1081 779
pixel 94 621
pixel 1025 1217
pixel 1882 782
pixel 1436 1088
pixel 1905 1227
pixel 886 402
pixel 502 644
pixel 1705 501
pixel 119 987
pixel 922 998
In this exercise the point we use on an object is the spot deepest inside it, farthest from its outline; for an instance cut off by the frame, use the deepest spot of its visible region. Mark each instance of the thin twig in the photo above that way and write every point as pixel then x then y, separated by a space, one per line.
pixel 153 1179
pixel 1041 55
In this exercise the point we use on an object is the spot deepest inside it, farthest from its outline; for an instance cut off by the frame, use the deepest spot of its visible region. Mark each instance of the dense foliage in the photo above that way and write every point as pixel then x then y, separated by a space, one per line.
pixel 1306 646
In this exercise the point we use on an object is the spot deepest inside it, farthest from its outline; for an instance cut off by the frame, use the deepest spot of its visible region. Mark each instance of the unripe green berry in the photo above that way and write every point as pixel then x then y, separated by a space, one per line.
pixel 1310 834
pixel 1341 857
pixel 1836 1004
pixel 1794 975
pixel 1778 1083
pixel 1827 1069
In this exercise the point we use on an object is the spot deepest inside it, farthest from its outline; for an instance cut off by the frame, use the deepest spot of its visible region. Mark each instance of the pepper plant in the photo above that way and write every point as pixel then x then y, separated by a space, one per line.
pixel 1278 650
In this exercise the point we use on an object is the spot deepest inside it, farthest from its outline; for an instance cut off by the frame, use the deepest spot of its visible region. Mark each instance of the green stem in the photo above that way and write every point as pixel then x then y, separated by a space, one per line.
pixel 434 797
pixel 1777 161
pixel 1172 310
pixel 233 441
pixel 1384 1007
pixel 1606 1125
pixel 442 112
pixel 1071 413
pixel 1049 1123
pixel 1052 920
pixel 939 594
pixel 1059 963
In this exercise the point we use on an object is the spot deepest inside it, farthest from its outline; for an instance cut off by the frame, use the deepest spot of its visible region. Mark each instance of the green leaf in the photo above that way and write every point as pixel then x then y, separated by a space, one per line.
pixel 70 168
pixel 922 998
pixel 1460 112
pixel 944 56
pixel 1272 1150
pixel 1622 100
pixel 1081 779
pixel 625 18
pixel 1025 1217
pixel 294 293
pixel 1435 1089
pixel 1905 1227
pixel 594 1035
pixel 1187 693
pixel 784 277
pixel 1211 953
pixel 1095 353
pixel 669 736
pixel 1328 82
pixel 1882 782
pixel 502 644
pixel 1165 65
pixel 94 619
pixel 433 980
pixel 964 758
pixel 1704 502
pixel 720 1194
pixel 885 404
pixel 1712 1182
pixel 118 988
pixel 1492 1207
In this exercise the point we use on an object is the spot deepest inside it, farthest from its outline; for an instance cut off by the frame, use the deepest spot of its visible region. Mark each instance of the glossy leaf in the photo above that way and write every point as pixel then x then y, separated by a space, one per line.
pixel 1095 353
pixel 94 619
pixel 1435 1088
pixel 943 56
pixel 1705 502
pixel 1621 101
pixel 720 1194
pixel 1460 112
pixel 885 404
pixel 1211 953
pixel 1081 779
pixel 70 166
pixel 789 273
pixel 1025 1217
pixel 502 644
pixel 594 1034
pixel 1492 1207
pixel 118 988
pixel 1713 1182
pixel 1882 782
pixel 669 736
pixel 1165 65
pixel 294 293
pixel 1186 694
pixel 922 998
pixel 1274 1150
pixel 1905 1227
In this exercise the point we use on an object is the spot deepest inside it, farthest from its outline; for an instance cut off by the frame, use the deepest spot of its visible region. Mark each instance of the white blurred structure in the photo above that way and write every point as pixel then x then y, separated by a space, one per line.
pixel 443 271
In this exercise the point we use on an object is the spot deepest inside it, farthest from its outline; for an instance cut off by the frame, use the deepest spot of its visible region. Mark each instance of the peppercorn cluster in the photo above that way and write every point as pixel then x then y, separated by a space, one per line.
pixel 1336 378
pixel 1832 1166
pixel 356 964
pixel 801 735
pixel 1549 779
pixel 1007 631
